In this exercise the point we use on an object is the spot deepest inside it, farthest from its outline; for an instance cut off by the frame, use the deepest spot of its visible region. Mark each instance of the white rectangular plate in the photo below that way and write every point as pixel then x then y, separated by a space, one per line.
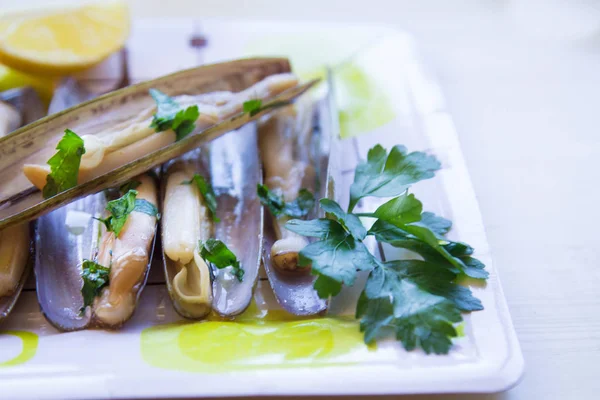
pixel 385 95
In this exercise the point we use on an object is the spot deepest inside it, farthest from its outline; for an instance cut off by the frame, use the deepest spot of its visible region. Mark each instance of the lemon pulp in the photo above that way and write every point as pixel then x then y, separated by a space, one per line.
pixel 63 41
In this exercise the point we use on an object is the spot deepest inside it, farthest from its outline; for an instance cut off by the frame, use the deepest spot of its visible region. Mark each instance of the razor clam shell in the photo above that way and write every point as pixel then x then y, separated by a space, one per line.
pixel 232 166
pixel 92 116
pixel 29 105
pixel 235 173
pixel 59 253
pixel 294 291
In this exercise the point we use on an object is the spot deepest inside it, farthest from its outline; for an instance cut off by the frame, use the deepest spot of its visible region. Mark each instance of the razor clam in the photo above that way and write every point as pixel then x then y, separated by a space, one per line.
pixel 17 107
pixel 185 221
pixel 231 165
pixel 67 236
pixel 19 201
pixel 295 146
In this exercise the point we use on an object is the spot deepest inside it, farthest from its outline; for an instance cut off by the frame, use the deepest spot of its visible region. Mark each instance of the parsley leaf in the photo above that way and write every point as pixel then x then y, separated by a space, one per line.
pixel 170 115
pixel 384 174
pixel 64 165
pixel 350 222
pixel 95 278
pixel 273 199
pixel 456 256
pixel 120 209
pixel 252 106
pixel 166 109
pixel 314 228
pixel 326 286
pixel 336 256
pixel 144 206
pixel 183 124
pixel 400 210
pixel 438 225
pixel 207 193
pixel 218 254
pixel 417 301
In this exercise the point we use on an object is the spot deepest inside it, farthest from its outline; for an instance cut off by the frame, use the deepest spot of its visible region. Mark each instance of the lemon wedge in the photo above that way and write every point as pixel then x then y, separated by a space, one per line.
pixel 63 41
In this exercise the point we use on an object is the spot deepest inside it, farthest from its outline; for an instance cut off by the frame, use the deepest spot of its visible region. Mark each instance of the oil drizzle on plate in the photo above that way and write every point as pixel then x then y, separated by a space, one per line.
pixel 29 342
pixel 256 339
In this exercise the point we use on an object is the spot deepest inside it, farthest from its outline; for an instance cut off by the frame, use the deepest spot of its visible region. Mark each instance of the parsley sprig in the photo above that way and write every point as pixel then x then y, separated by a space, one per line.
pixel 416 301
pixel 171 115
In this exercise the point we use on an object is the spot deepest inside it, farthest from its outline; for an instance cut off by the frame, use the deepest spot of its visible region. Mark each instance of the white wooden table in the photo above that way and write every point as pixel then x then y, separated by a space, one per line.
pixel 526 110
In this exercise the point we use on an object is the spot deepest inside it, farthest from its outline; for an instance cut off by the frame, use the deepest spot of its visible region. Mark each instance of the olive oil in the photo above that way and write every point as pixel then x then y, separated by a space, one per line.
pixel 258 338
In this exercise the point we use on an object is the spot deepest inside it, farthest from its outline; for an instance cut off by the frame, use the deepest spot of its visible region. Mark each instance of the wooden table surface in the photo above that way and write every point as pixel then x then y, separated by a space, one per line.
pixel 526 110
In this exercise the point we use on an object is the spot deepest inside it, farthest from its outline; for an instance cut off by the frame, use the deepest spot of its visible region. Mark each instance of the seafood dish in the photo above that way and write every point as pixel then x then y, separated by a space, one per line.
pixel 239 165
pixel 92 255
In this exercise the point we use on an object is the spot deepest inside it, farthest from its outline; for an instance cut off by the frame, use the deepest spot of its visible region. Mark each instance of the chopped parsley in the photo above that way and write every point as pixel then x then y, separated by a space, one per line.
pixel 145 207
pixel 416 301
pixel 64 165
pixel 120 209
pixel 207 193
pixel 218 254
pixel 171 115
pixel 273 200
pixel 95 278
pixel 254 106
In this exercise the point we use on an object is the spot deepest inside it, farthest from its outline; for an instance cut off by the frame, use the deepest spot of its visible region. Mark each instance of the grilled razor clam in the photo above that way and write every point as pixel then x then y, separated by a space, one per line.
pixel 128 255
pixel 130 140
pixel 10 119
pixel 284 147
pixel 185 221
